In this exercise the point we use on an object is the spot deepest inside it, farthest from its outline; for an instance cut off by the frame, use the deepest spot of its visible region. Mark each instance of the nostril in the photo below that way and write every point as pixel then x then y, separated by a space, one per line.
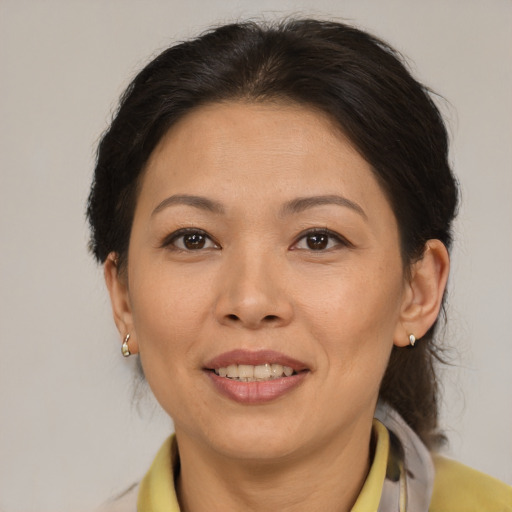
pixel 266 319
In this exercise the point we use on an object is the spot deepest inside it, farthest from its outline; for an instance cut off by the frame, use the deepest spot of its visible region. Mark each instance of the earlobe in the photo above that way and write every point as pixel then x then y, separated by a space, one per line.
pixel 117 286
pixel 424 294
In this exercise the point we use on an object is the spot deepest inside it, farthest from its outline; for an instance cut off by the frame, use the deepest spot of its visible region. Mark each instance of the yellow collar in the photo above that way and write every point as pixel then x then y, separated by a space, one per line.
pixel 157 492
pixel 369 497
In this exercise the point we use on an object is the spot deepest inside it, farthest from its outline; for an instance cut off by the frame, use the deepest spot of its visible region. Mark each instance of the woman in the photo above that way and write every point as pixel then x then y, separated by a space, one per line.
pixel 273 209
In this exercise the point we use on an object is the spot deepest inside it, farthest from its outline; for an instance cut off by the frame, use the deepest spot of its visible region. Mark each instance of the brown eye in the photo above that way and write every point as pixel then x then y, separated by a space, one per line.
pixel 321 240
pixel 189 240
pixel 194 241
pixel 317 241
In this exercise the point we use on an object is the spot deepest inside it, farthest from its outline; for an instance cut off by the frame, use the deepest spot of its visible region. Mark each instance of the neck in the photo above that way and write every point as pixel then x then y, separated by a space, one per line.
pixel 328 478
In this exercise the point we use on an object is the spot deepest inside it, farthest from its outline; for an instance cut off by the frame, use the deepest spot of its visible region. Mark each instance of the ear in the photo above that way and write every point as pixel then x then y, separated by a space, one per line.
pixel 424 293
pixel 117 285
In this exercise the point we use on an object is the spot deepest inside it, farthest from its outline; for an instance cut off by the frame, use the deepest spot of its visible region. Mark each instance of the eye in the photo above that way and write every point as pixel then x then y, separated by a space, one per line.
pixel 320 240
pixel 189 240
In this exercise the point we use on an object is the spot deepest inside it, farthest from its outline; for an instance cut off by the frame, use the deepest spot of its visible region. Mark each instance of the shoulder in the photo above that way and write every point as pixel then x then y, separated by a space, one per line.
pixel 125 502
pixel 460 488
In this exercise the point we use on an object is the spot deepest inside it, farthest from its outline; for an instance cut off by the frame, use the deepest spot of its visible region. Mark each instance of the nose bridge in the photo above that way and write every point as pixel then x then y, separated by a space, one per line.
pixel 251 291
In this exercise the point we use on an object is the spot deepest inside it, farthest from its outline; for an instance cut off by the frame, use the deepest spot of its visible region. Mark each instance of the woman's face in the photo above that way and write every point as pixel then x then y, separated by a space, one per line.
pixel 262 244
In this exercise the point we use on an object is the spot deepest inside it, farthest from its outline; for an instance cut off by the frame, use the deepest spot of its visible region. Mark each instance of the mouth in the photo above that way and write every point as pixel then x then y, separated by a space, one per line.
pixel 253 366
pixel 252 373
pixel 255 377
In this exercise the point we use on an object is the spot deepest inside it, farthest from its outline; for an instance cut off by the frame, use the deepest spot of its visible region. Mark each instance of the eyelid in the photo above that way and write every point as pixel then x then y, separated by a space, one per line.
pixel 341 240
pixel 169 240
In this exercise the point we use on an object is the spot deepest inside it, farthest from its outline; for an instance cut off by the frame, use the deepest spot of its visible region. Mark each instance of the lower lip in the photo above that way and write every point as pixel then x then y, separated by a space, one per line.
pixel 253 393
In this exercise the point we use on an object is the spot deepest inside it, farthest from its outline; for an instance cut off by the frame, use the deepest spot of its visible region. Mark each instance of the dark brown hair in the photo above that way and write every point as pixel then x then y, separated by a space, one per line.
pixel 353 77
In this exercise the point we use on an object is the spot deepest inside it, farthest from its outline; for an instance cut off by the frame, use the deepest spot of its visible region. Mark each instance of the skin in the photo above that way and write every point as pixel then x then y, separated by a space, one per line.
pixel 257 283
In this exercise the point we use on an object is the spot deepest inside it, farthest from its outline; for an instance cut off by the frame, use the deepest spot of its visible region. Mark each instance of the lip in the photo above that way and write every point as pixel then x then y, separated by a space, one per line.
pixel 255 358
pixel 254 393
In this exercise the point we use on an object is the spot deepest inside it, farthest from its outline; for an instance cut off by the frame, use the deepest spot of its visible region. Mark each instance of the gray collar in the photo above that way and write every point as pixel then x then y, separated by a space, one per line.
pixel 410 472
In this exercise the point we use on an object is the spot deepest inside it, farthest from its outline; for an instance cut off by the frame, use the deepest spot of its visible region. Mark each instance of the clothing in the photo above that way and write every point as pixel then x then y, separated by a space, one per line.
pixel 403 476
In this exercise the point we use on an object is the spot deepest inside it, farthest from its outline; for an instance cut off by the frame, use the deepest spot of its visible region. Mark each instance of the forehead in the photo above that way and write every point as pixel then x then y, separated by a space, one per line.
pixel 269 151
pixel 279 129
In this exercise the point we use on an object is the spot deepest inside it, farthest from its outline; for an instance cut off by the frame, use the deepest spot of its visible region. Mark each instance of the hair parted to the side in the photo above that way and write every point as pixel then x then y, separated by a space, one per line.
pixel 360 83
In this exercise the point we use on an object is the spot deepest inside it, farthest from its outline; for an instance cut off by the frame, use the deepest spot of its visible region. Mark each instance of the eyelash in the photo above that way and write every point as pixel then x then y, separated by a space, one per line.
pixel 331 235
pixel 170 240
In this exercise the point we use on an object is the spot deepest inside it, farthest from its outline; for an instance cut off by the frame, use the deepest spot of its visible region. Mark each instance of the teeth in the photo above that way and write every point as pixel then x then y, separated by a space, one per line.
pixel 232 371
pixel 246 371
pixel 262 371
pixel 277 370
pixel 250 373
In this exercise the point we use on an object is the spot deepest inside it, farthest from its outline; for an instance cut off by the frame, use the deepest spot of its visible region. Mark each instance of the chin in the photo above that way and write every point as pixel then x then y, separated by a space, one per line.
pixel 260 446
pixel 262 439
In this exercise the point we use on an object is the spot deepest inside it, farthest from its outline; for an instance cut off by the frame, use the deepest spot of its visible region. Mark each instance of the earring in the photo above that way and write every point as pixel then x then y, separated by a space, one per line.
pixel 412 340
pixel 125 349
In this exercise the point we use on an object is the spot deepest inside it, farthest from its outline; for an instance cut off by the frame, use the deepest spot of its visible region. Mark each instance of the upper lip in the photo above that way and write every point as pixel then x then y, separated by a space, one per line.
pixel 255 358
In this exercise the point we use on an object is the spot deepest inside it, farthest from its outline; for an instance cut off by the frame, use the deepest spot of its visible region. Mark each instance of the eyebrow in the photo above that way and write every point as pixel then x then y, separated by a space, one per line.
pixel 304 203
pixel 297 205
pixel 202 203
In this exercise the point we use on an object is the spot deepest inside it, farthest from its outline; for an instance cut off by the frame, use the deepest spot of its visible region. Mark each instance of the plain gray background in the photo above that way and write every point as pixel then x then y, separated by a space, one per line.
pixel 69 434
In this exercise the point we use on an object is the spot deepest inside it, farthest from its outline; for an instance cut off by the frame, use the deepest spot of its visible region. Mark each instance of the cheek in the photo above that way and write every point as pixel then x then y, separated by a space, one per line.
pixel 353 314
pixel 168 310
pixel 168 316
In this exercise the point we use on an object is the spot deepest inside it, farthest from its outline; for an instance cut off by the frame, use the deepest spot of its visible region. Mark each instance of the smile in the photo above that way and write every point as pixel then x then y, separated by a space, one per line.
pixel 252 373
pixel 255 377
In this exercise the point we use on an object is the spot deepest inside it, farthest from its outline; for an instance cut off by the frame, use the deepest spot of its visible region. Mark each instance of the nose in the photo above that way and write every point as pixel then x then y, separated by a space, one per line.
pixel 253 293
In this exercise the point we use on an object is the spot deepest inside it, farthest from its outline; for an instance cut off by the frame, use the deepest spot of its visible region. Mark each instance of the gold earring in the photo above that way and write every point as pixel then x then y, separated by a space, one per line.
pixel 412 340
pixel 125 349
